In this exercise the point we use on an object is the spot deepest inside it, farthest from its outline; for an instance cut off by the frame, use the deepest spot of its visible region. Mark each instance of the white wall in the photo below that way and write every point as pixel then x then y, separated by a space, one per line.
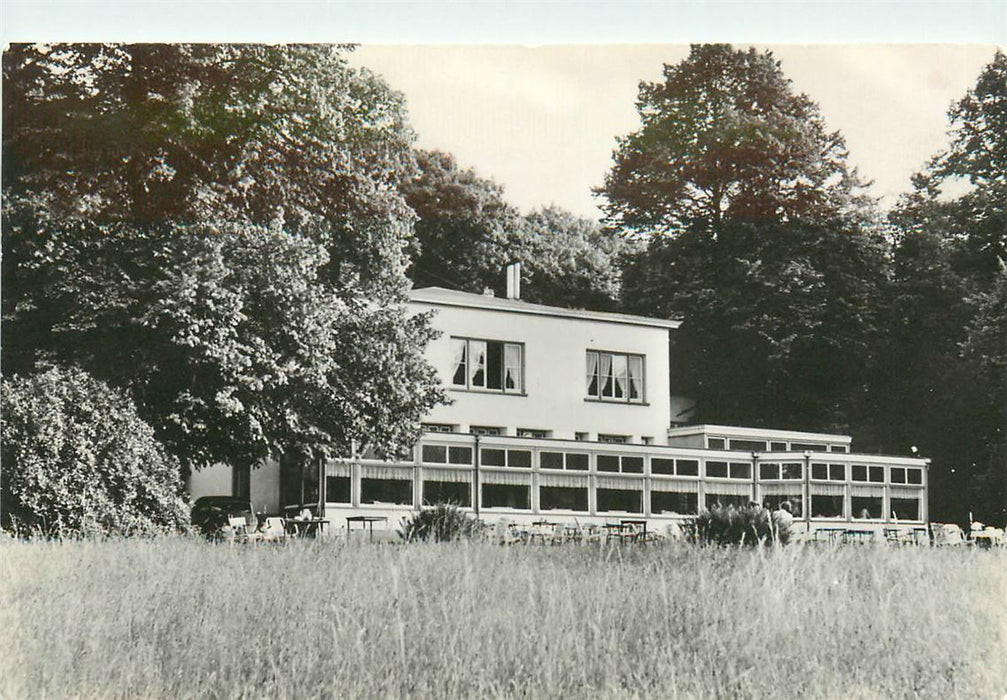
pixel 555 368
pixel 216 481
pixel 210 481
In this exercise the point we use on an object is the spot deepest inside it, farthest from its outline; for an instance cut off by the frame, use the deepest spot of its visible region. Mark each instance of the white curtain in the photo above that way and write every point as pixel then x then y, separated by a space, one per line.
pixel 454 476
pixel 795 490
pixel 827 489
pixel 458 371
pixel 672 486
pixel 614 482
pixel 512 367
pixel 377 471
pixel 509 478
pixel 621 373
pixel 635 378
pixel 337 469
pixel 728 489
pixel 566 480
pixel 606 375
pixel 868 491
pixel 593 387
pixel 477 363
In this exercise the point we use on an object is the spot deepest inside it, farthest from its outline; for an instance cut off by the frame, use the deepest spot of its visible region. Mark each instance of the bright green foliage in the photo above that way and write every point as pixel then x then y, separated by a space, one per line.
pixel 443 522
pixel 77 460
pixel 725 136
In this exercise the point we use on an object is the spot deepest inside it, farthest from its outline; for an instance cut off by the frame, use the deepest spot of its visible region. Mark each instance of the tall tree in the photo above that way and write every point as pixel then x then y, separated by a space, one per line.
pixel 466 232
pixel 570 261
pixel 284 136
pixel 218 229
pixel 754 237
pixel 725 136
pixel 947 326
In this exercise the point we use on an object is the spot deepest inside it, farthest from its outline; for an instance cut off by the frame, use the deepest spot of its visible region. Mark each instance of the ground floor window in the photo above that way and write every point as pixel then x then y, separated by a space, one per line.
pixel 457 493
pixel 674 502
pixel 826 506
pixel 905 508
pixel 773 502
pixel 394 491
pixel 337 489
pixel 506 496
pixel 562 498
pixel 866 507
pixel 723 500
pixel 619 500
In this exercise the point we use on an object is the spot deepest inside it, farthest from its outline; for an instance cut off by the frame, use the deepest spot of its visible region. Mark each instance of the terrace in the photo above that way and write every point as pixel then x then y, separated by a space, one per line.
pixel 523 480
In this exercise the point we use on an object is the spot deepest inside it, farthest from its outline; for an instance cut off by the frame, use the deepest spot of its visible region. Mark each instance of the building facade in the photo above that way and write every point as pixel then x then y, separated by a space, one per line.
pixel 569 416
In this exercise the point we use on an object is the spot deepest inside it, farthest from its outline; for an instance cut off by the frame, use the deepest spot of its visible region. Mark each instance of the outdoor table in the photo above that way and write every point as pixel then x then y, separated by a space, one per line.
pixel 306 527
pixel 858 535
pixel 834 533
pixel 366 521
pixel 632 523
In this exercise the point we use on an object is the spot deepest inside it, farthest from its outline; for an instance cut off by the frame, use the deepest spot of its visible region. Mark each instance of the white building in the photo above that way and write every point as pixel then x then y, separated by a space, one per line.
pixel 568 415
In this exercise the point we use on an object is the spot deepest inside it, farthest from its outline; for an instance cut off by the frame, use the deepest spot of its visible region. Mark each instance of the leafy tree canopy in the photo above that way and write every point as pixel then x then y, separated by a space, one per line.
pixel 948 321
pixel 570 261
pixel 217 228
pixel 233 348
pixel 466 233
pixel 725 136
pixel 79 461
pixel 283 136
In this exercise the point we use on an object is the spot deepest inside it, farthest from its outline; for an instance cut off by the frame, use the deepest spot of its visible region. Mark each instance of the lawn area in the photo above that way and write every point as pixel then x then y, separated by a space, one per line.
pixel 182 618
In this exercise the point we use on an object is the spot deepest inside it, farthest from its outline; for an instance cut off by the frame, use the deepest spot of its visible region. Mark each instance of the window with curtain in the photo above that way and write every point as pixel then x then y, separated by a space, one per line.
pixel 615 376
pixel 487 365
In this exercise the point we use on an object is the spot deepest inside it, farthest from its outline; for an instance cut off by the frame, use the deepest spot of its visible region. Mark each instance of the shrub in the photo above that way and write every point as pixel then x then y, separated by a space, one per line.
pixel 77 460
pixel 443 522
pixel 727 525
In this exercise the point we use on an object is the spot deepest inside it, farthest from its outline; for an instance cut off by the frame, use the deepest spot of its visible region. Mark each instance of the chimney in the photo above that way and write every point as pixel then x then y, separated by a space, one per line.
pixel 514 280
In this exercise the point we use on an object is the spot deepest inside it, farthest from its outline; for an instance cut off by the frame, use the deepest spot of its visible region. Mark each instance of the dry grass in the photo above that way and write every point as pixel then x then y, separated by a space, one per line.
pixel 181 618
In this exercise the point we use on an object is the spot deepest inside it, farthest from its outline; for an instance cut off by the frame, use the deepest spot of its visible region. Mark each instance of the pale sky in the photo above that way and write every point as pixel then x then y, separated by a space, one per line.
pixel 542 121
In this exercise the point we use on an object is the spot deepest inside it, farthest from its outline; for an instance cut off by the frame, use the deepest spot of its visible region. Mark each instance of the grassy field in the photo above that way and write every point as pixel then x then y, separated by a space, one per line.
pixel 181 618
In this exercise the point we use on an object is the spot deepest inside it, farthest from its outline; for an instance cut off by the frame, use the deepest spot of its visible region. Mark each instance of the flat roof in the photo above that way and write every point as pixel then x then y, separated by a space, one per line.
pixel 450 297
pixel 745 432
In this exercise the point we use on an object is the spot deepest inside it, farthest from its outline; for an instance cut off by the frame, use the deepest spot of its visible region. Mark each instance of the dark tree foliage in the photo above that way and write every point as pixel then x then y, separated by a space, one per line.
pixel 755 237
pixel 77 460
pixel 725 136
pixel 780 322
pixel 570 261
pixel 466 233
pixel 217 229
pixel 948 323
pixel 283 136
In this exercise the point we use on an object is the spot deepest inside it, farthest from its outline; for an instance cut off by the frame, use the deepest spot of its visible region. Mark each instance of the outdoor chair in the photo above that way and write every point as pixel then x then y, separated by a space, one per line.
pixel 274 530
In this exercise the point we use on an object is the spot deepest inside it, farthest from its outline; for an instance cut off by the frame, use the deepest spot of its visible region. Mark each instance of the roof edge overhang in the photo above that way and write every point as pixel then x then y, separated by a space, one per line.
pixel 435 296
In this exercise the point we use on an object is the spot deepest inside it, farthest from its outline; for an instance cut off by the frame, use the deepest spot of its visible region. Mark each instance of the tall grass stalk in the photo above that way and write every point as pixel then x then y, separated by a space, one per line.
pixel 182 618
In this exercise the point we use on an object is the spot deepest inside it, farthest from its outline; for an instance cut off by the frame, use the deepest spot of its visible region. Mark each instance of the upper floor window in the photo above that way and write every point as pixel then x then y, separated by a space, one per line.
pixel 614 376
pixel 490 365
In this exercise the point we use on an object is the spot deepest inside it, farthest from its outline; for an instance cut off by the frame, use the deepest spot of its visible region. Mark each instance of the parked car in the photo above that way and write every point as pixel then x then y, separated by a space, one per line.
pixel 211 514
